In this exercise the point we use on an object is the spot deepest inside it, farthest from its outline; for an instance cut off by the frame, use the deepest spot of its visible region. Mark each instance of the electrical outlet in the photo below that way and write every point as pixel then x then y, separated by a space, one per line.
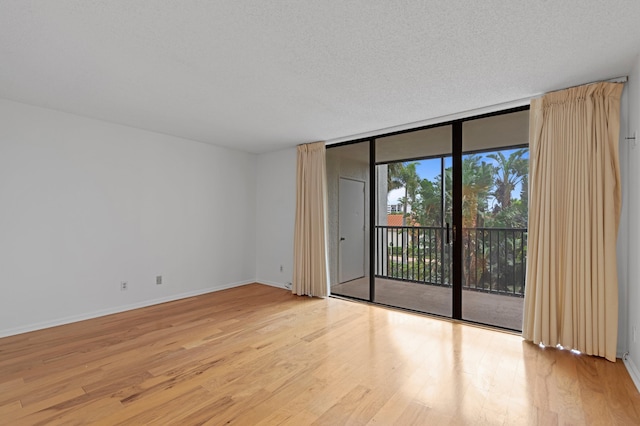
pixel 158 279
pixel 123 286
pixel 288 286
pixel 281 268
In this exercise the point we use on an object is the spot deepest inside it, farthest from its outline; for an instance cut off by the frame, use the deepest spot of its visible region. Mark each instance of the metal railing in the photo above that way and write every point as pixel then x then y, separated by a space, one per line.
pixel 494 259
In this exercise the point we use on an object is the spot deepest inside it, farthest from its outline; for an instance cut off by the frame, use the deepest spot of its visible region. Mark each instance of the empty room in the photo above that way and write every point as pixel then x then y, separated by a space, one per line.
pixel 319 212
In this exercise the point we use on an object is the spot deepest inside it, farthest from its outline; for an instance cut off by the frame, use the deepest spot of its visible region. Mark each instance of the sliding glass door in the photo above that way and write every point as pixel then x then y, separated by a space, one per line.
pixel 413 268
pixel 443 226
pixel 495 176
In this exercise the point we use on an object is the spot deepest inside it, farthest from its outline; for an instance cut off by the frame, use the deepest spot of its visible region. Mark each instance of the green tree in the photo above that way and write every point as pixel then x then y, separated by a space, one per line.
pixel 508 173
pixel 404 175
pixel 477 181
pixel 393 173
pixel 506 253
pixel 428 204
pixel 500 251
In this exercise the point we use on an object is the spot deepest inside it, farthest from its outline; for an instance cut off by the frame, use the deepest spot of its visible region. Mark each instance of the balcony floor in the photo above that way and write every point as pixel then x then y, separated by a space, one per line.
pixel 485 308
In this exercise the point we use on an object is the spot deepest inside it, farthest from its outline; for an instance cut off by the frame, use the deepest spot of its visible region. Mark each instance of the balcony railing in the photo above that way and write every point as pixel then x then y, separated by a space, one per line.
pixel 494 259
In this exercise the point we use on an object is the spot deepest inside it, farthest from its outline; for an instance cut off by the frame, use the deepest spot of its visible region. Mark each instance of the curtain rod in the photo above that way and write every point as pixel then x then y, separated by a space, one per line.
pixel 622 79
pixel 464 114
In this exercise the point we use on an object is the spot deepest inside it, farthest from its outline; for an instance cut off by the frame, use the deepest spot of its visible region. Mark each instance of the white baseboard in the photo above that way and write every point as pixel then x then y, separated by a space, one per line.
pixel 117 309
pixel 633 371
pixel 273 284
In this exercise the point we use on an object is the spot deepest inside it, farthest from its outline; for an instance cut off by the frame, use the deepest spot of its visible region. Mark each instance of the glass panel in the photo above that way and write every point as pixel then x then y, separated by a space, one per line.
pixel 413 261
pixel 348 226
pixel 495 170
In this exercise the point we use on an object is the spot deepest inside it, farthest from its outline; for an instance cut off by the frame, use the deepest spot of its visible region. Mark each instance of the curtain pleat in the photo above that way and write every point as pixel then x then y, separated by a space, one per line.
pixel 571 293
pixel 310 260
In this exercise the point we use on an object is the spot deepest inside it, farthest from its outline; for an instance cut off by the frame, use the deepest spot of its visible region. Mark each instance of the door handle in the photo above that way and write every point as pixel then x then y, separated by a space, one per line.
pixel 448 239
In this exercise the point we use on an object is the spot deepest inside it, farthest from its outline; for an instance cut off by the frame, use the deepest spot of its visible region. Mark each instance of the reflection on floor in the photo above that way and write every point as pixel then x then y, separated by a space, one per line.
pixel 491 309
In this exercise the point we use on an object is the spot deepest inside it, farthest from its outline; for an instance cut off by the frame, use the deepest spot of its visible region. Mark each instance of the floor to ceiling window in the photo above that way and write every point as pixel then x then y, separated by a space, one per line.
pixel 441 228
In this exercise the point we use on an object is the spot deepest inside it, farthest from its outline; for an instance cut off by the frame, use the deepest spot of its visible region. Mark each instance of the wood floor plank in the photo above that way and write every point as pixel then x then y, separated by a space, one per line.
pixel 8 410
pixel 259 355
pixel 87 413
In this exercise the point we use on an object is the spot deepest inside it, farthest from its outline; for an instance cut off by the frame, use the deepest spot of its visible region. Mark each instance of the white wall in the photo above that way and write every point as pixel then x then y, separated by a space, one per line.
pixel 86 204
pixel 275 216
pixel 633 209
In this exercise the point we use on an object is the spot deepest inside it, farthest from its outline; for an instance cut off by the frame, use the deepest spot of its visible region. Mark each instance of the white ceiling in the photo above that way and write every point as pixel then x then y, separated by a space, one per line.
pixel 260 75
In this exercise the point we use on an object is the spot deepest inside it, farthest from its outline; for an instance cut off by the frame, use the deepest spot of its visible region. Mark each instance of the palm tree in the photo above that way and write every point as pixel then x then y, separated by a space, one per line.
pixel 428 204
pixel 403 175
pixel 509 172
pixel 393 173
pixel 477 180
pixel 511 169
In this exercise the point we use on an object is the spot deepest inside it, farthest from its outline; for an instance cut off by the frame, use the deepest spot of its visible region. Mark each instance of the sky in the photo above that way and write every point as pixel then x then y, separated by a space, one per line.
pixel 429 169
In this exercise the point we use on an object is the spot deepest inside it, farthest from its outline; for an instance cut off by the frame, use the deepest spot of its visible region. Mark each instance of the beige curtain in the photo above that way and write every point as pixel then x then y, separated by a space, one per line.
pixel 309 257
pixel 571 295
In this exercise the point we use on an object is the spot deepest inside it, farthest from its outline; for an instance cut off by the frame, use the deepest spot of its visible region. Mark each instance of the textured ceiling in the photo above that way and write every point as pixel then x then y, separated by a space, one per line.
pixel 262 75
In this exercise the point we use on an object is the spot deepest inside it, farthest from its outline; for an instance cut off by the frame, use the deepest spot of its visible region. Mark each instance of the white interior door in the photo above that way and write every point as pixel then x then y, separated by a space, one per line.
pixel 351 230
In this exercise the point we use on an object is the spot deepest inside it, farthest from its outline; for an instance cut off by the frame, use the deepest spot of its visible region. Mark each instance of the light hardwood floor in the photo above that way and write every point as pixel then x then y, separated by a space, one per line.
pixel 258 355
